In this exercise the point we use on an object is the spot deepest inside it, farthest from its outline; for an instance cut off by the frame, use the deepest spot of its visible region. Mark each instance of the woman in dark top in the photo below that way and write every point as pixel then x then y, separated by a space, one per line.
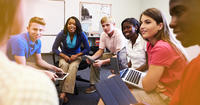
pixel 70 41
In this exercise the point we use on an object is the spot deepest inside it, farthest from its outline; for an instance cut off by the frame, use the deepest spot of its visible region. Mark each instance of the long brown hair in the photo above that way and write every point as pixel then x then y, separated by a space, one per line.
pixel 155 14
pixel 163 34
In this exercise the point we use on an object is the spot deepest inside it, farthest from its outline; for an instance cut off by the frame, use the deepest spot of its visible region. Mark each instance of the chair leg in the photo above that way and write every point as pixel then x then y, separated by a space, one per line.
pixel 75 90
pixel 78 78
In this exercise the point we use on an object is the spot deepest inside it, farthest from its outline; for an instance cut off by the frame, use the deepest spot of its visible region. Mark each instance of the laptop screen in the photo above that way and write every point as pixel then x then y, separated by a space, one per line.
pixel 122 59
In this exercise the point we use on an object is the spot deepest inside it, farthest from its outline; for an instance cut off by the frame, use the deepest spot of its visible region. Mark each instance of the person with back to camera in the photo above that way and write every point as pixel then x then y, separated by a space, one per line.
pixel 136 46
pixel 114 41
pixel 71 38
pixel 22 47
pixel 20 84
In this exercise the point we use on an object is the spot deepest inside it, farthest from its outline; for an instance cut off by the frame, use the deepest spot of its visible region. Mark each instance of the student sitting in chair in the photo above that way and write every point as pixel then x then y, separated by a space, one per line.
pixel 71 39
pixel 166 60
pixel 136 46
pixel 22 46
pixel 114 41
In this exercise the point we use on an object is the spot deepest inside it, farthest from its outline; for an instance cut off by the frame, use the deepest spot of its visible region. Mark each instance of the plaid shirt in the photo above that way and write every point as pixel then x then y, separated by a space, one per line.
pixel 22 85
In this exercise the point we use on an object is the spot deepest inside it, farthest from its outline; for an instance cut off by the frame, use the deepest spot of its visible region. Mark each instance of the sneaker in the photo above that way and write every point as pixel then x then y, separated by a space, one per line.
pixel 91 89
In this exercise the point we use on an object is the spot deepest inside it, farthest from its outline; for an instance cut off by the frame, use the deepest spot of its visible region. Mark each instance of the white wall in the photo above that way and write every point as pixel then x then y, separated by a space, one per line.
pixel 162 5
pixel 51 11
pixel 122 9
pixel 72 8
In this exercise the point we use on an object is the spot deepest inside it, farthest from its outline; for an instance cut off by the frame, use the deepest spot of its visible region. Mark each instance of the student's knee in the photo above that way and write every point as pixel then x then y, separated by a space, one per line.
pixel 63 63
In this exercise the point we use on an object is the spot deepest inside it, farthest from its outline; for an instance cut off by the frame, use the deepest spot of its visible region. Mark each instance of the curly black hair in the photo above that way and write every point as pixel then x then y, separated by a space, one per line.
pixel 78 26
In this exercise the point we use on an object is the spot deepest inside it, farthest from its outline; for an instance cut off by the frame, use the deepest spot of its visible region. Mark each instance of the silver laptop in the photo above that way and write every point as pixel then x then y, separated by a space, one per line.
pixel 128 75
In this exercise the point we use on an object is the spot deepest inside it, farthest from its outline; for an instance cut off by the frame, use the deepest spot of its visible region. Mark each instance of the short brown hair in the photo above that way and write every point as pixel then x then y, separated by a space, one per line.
pixel 107 19
pixel 37 20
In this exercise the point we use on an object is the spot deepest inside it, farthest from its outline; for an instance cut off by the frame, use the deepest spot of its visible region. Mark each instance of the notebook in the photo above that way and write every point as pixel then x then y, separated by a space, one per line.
pixel 128 75
pixel 114 91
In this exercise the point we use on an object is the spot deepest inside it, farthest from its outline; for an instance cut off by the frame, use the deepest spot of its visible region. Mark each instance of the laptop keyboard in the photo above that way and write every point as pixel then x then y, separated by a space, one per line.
pixel 133 76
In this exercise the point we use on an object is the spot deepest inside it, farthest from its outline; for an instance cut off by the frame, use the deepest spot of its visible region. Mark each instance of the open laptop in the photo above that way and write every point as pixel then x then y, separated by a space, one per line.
pixel 128 75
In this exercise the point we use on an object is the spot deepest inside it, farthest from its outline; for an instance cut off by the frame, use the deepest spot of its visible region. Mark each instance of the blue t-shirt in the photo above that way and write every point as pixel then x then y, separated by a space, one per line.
pixel 21 45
